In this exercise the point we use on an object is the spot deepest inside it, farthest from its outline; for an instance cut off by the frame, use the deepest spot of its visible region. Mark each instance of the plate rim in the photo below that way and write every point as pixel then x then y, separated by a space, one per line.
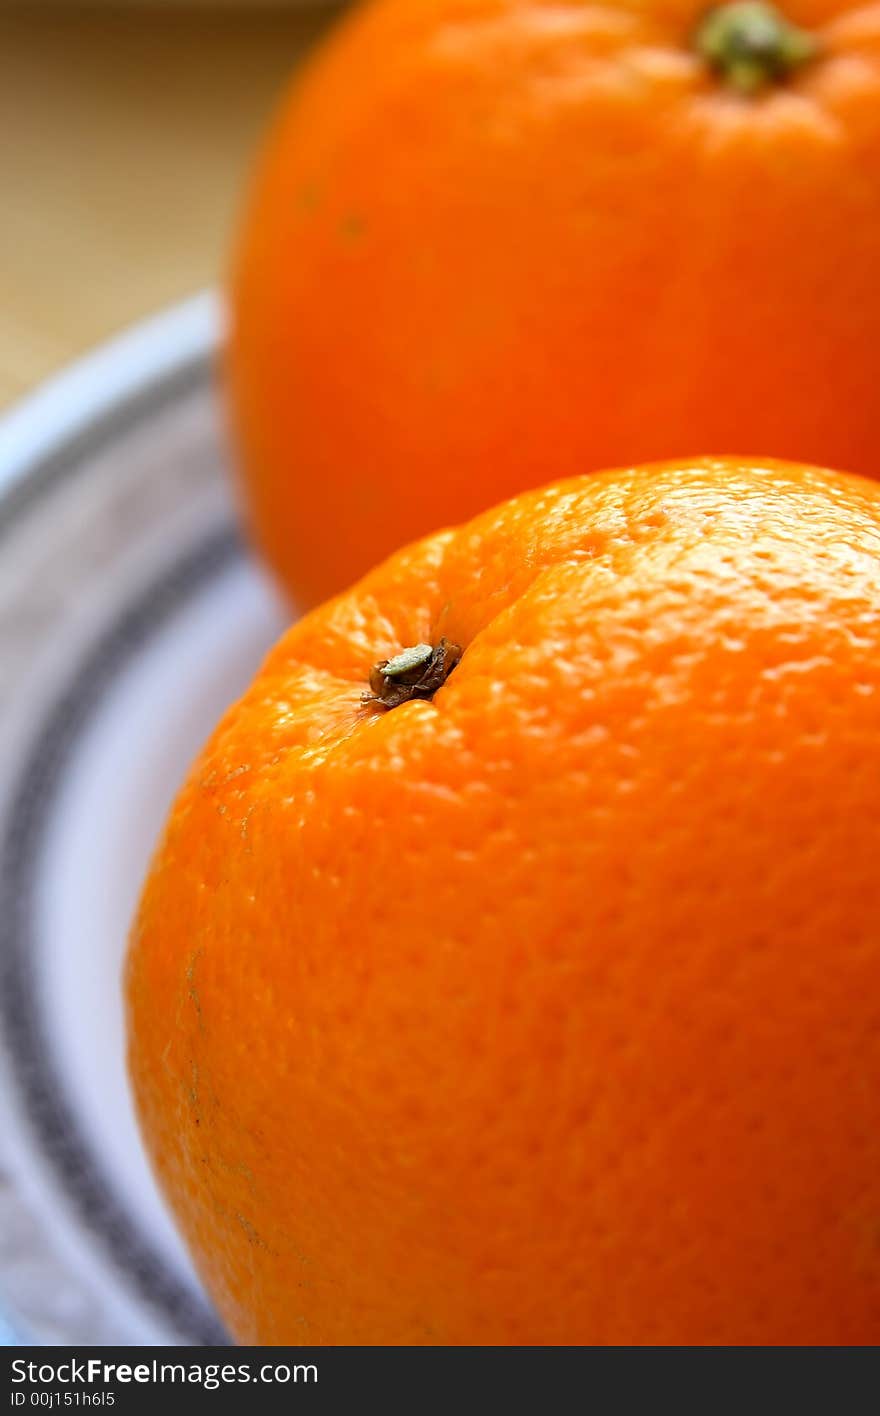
pixel 51 429
pixel 47 436
pixel 27 813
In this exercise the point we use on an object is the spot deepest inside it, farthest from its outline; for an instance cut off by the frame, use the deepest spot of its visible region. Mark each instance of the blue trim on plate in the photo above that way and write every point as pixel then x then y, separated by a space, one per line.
pixel 25 1030
pixel 106 385
pixel 47 437
pixel 7 1336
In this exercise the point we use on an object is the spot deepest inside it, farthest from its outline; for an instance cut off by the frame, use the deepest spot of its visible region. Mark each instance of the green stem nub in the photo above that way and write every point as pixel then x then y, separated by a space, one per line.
pixel 751 45
pixel 414 673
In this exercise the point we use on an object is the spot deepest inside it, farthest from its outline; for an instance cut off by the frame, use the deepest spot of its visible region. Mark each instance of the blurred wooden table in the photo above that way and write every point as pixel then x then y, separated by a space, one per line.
pixel 125 140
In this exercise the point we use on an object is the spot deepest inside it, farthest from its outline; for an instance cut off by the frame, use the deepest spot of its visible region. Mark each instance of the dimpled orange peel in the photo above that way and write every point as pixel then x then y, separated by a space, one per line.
pixel 509 969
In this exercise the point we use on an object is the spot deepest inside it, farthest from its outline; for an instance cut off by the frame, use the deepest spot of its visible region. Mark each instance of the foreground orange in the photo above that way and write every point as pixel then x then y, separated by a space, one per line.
pixel 488 239
pixel 524 987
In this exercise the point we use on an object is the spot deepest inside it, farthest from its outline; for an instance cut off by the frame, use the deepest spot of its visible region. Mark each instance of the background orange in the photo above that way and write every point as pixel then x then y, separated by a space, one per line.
pixel 494 243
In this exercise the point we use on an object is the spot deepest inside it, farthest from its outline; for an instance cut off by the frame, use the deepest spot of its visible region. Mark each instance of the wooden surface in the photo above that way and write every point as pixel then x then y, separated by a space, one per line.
pixel 125 142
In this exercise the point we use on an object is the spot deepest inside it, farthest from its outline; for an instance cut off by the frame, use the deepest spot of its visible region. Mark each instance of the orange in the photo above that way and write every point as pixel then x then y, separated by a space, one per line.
pixel 491 238
pixel 543 1006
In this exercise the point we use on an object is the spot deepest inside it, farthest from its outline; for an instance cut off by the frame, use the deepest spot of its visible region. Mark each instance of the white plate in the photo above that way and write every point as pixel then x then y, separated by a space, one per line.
pixel 130 616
